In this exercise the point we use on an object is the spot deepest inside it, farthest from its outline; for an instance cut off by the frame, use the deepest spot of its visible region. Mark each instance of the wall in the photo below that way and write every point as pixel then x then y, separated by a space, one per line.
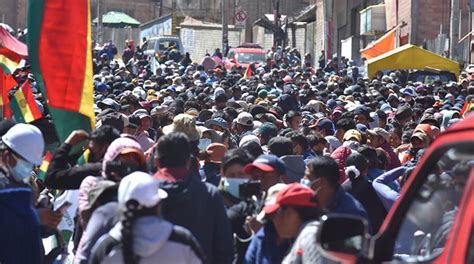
pixel 199 40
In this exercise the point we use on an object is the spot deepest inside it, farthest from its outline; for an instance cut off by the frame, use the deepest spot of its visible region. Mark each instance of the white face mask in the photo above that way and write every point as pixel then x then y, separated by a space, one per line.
pixel 231 185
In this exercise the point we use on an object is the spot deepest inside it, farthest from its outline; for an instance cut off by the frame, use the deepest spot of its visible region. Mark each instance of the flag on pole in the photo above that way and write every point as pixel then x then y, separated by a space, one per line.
pixel 44 166
pixel 60 53
pixel 23 105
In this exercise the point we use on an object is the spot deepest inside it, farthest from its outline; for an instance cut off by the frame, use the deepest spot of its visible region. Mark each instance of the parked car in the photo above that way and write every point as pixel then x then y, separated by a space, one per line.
pixel 432 220
pixel 244 55
pixel 158 45
pixel 430 76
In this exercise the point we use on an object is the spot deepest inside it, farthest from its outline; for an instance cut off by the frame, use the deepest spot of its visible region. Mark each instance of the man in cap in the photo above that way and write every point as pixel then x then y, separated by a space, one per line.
pixel 210 171
pixel 244 125
pixel 380 138
pixel 324 126
pixel 322 175
pixel 268 169
pixel 362 115
pixel 21 149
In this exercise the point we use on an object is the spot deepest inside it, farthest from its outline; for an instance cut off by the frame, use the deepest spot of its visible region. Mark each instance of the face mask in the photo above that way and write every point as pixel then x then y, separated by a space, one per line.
pixel 305 182
pixel 231 186
pixel 204 143
pixel 22 170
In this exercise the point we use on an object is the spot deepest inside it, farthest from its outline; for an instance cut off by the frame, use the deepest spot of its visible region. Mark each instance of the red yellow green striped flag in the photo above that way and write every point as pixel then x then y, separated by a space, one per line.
pixel 7 82
pixel 466 109
pixel 23 105
pixel 60 53
pixel 44 166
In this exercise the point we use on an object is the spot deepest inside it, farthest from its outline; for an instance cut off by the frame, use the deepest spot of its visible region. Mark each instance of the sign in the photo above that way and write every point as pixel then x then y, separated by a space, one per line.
pixel 240 18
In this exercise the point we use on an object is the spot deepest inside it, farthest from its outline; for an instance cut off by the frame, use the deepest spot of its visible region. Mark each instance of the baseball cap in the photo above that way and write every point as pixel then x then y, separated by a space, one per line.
pixel 268 129
pixel 270 198
pixel 352 134
pixel 245 119
pixel 266 163
pixel 380 132
pixel 216 152
pixel 294 194
pixel 142 187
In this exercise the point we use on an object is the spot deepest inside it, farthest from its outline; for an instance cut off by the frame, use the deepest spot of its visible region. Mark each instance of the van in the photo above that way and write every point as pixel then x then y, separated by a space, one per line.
pixel 156 46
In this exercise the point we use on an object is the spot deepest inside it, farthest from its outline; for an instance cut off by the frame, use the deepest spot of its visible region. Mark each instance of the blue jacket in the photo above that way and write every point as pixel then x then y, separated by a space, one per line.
pixel 345 203
pixel 263 248
pixel 20 240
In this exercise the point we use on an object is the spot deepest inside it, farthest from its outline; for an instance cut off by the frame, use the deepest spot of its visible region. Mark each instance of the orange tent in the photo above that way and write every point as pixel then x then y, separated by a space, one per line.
pixel 380 46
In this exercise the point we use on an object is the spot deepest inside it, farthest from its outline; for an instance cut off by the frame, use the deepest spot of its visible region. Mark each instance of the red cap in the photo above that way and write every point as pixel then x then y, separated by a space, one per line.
pixel 294 194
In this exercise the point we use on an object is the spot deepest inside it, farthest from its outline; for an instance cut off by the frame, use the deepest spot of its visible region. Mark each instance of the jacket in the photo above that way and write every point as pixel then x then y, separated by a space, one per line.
pixel 101 221
pixel 198 207
pixel 154 241
pixel 20 239
pixel 304 249
pixel 263 248
pixel 363 191
pixel 64 175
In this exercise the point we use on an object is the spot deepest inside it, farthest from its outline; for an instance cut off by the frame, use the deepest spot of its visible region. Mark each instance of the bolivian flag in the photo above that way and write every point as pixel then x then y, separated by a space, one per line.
pixel 7 82
pixel 44 166
pixel 60 53
pixel 8 65
pixel 248 73
pixel 24 106
pixel 467 108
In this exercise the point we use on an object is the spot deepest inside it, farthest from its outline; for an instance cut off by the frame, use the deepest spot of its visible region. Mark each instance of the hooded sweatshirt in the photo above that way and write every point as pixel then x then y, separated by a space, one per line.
pixel 154 241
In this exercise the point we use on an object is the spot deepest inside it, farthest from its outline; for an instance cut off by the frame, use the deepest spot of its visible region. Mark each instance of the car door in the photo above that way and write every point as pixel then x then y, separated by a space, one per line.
pixel 417 228
pixel 461 239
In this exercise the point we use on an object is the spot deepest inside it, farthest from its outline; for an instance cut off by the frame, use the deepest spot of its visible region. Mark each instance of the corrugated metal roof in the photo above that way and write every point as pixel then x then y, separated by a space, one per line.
pixel 118 19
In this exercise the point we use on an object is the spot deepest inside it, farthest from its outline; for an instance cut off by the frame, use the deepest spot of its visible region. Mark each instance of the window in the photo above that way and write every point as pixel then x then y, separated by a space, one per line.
pixel 251 57
pixel 429 219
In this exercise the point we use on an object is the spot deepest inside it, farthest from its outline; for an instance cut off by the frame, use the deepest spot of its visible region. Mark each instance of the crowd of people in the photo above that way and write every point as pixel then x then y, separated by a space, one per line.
pixel 196 165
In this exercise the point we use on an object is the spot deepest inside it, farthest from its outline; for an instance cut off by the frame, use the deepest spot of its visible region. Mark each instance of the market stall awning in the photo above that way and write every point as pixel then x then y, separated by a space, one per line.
pixel 382 45
pixel 118 20
pixel 11 47
pixel 410 57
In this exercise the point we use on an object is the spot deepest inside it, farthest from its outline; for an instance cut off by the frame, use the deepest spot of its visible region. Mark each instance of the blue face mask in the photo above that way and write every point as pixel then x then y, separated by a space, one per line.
pixel 204 143
pixel 22 170
pixel 231 186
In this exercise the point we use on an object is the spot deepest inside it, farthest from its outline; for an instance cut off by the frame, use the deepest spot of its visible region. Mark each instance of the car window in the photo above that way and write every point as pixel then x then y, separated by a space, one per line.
pixel 151 44
pixel 428 221
pixel 251 57
pixel 166 43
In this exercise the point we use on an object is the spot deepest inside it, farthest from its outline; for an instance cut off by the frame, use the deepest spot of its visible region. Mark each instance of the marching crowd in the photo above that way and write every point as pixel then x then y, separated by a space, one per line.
pixel 191 164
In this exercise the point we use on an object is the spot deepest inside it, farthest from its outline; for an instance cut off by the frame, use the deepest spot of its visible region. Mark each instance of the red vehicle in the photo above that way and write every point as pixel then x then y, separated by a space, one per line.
pixel 244 55
pixel 431 221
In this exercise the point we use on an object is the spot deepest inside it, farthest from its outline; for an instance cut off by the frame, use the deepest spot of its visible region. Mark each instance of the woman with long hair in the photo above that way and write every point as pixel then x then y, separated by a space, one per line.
pixel 142 236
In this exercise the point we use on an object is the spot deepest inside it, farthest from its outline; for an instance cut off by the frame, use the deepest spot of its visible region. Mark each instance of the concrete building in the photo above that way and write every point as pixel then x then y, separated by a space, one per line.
pixel 13 13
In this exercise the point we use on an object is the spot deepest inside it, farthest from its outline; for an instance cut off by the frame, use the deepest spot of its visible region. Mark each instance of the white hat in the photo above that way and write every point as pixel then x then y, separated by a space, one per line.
pixel 270 198
pixel 248 138
pixel 27 141
pixel 142 187
pixel 139 93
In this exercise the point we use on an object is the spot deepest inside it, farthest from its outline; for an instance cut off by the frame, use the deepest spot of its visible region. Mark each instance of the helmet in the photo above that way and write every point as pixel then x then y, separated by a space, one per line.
pixel 27 141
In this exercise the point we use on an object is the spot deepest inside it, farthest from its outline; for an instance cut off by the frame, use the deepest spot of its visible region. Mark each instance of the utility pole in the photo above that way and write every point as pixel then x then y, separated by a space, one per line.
pixel 454 30
pixel 225 28
pixel 99 23
pixel 161 8
pixel 276 21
